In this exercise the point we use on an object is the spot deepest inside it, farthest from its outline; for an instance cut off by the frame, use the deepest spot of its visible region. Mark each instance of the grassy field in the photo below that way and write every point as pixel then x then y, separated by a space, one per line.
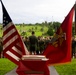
pixel 67 69
pixel 38 31
pixel 6 66
pixel 26 29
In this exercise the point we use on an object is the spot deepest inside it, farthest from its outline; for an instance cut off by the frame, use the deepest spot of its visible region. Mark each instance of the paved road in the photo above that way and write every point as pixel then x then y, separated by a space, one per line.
pixel 51 68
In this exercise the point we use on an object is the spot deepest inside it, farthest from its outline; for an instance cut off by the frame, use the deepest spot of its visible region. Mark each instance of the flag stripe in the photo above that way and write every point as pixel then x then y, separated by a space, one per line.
pixel 6 31
pixel 10 42
pixel 9 34
pixel 12 59
pixel 12 55
pixel 8 26
pixel 9 38
pixel 17 50
pixel 16 53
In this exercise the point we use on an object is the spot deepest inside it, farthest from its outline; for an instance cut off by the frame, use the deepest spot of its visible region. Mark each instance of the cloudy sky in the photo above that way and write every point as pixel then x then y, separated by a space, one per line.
pixel 33 11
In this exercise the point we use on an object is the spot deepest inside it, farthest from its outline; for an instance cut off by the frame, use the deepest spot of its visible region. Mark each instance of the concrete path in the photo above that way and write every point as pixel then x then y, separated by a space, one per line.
pixel 53 71
pixel 51 68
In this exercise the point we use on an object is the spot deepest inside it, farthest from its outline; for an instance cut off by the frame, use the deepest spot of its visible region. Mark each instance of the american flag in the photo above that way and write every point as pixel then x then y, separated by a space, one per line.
pixel 13 45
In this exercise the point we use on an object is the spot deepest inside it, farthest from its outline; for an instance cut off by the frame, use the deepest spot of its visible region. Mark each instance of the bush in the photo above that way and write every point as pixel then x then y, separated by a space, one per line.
pixel 50 31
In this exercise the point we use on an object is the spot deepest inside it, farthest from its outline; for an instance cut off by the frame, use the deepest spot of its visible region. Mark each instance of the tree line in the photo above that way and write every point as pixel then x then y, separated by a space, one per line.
pixel 52 27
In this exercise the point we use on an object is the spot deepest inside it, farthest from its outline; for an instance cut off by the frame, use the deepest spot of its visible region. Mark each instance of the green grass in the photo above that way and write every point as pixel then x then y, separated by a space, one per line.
pixel 20 29
pixel 67 69
pixel 6 66
pixel 27 28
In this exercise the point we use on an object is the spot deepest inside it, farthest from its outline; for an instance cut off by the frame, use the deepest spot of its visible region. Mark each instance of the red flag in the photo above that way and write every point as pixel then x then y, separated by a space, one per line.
pixel 59 51
pixel 13 46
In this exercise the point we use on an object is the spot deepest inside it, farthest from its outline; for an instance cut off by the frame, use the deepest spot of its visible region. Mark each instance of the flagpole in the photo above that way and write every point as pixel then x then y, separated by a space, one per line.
pixel 1 1
pixel 75 18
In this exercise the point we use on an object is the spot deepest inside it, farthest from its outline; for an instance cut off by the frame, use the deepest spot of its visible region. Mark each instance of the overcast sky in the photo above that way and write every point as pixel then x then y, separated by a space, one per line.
pixel 33 11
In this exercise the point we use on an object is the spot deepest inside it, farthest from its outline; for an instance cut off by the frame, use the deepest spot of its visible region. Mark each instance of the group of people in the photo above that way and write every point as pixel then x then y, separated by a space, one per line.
pixel 36 45
pixel 73 46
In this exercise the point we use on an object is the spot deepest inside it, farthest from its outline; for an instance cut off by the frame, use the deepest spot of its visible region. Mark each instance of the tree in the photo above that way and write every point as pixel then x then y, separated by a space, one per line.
pixel 56 25
pixel 36 28
pixel 23 33
pixel 50 31
pixel 42 29
pixel 46 23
